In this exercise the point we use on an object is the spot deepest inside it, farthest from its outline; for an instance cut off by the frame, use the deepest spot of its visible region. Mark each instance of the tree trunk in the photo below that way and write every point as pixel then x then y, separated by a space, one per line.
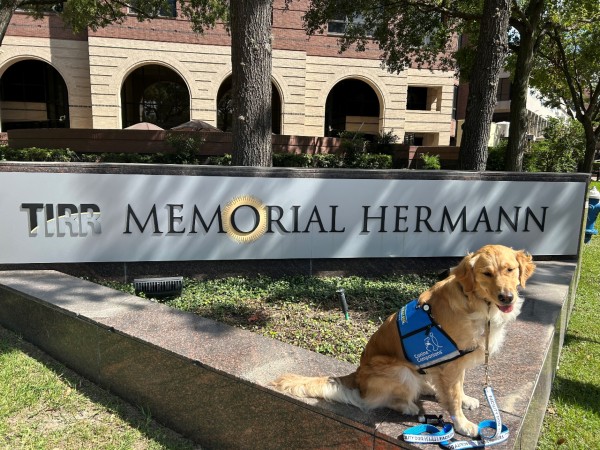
pixel 517 139
pixel 492 46
pixel 7 9
pixel 591 140
pixel 251 79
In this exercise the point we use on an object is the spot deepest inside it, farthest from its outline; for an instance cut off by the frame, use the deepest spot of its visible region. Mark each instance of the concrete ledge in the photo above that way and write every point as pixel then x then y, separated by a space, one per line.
pixel 210 381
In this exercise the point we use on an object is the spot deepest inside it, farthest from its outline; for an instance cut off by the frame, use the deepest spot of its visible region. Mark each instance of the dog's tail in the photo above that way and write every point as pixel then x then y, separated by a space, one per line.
pixel 332 389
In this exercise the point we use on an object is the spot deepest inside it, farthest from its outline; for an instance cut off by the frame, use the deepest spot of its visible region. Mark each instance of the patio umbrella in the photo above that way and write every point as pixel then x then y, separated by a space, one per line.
pixel 144 126
pixel 195 125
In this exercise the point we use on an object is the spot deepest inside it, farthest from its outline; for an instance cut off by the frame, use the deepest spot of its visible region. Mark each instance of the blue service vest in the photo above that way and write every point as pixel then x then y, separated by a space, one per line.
pixel 424 342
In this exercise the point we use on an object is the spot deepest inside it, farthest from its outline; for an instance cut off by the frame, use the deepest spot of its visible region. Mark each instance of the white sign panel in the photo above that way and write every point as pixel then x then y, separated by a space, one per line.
pixel 70 217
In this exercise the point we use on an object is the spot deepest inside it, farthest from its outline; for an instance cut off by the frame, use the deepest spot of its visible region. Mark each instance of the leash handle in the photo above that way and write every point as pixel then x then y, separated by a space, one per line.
pixel 491 399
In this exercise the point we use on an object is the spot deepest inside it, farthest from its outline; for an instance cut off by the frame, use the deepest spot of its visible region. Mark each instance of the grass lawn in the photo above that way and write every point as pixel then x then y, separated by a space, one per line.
pixel 45 406
pixel 572 419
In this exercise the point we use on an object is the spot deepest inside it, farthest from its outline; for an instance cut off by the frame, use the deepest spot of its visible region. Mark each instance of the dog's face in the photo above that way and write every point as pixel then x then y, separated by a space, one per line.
pixel 493 273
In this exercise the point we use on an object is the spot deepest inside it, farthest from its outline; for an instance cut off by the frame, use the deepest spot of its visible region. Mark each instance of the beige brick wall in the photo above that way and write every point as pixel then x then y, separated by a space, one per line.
pixel 94 72
pixel 68 57
pixel 289 75
pixel 203 68
pixel 438 120
pixel 323 73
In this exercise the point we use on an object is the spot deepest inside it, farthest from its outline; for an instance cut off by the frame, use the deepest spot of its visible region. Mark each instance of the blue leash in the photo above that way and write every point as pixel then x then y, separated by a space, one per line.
pixel 431 434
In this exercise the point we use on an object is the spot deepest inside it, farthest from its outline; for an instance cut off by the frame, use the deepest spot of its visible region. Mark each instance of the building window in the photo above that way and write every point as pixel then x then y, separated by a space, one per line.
pixel 413 139
pixel 419 98
pixel 455 102
pixel 416 98
pixel 33 95
pixel 168 9
pixel 339 24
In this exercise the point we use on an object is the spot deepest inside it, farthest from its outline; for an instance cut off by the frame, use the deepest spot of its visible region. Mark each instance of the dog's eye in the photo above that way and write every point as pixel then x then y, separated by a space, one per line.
pixel 510 269
pixel 487 274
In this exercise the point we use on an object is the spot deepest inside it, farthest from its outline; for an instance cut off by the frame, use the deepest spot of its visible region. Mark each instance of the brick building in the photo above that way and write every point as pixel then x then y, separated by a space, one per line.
pixel 160 71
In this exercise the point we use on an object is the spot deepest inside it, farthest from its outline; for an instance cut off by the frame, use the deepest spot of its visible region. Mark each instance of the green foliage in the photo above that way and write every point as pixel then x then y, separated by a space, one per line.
pixel 130 158
pixel 408 33
pixel 562 148
pixel 567 72
pixel 37 154
pixel 186 152
pixel 371 161
pixel 186 149
pixel 356 148
pixel 353 143
pixel 292 160
pixel 357 161
pixel 224 160
pixel 431 162
pixel 81 14
pixel 495 161
pixel 328 160
pixel 386 138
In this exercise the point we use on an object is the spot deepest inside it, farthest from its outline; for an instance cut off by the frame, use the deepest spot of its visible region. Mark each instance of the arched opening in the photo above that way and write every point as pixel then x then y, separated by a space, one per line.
pixel 225 107
pixel 155 94
pixel 352 105
pixel 33 95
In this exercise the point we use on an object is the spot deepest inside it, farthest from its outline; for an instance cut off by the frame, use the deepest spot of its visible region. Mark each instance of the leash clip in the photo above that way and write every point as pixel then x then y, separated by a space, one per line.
pixel 431 419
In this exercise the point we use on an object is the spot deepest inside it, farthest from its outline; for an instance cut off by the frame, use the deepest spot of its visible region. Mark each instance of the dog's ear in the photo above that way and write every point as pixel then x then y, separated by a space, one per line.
pixel 464 273
pixel 526 267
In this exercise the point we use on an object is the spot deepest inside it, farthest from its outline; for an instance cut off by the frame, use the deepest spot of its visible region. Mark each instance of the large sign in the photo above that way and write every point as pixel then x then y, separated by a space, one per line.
pixel 75 217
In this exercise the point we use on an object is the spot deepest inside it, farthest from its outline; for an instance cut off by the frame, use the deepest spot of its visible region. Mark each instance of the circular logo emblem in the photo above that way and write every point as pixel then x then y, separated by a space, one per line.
pixel 245 219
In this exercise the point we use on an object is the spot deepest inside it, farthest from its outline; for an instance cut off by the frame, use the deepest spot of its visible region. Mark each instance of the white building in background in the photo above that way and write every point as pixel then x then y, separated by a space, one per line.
pixel 537 113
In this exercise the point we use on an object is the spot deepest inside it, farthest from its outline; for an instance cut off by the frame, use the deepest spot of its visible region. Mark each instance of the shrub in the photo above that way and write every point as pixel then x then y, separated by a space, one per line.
pixel 495 161
pixel 224 160
pixel 431 162
pixel 327 160
pixel 561 150
pixel 291 160
pixel 186 153
pixel 371 161
pixel 386 138
pixel 38 154
pixel 186 150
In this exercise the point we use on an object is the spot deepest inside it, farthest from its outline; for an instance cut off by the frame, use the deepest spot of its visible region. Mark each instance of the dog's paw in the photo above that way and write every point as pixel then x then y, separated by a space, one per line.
pixel 466 428
pixel 470 402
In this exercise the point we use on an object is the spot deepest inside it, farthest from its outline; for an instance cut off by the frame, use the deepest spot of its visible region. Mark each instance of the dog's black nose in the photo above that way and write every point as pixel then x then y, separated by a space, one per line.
pixel 506 298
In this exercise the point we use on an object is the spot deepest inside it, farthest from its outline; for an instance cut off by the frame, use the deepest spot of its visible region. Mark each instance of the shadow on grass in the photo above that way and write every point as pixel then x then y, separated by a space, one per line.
pixel 571 338
pixel 583 395
pixel 135 417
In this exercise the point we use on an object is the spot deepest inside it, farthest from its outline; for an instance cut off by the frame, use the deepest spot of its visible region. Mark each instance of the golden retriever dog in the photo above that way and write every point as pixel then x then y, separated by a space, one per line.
pixel 481 290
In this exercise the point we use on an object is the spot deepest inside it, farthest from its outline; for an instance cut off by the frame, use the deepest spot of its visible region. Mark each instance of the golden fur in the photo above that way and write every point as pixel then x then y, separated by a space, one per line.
pixel 482 287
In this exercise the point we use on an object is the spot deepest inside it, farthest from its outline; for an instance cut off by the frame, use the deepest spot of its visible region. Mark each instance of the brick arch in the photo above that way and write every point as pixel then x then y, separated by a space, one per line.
pixel 374 82
pixel 130 65
pixel 57 112
pixel 43 56
pixel 125 74
pixel 276 82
